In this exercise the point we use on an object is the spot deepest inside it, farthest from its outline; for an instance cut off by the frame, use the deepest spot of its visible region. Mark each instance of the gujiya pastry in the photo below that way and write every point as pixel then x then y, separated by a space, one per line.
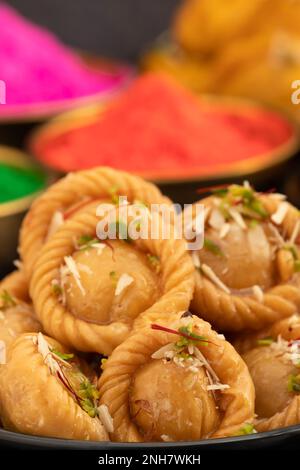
pixel 111 333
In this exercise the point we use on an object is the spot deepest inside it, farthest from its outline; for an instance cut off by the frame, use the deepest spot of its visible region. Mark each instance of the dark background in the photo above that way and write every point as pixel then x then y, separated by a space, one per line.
pixel 115 28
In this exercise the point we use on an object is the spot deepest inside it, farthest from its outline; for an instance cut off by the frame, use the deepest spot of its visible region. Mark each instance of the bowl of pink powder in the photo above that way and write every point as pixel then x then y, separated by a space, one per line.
pixel 40 76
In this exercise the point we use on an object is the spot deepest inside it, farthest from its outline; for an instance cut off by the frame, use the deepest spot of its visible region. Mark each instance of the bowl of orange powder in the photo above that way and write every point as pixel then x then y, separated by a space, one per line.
pixel 161 131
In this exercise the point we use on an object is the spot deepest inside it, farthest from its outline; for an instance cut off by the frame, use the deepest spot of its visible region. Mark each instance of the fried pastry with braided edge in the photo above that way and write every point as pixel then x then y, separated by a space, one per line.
pixel 132 361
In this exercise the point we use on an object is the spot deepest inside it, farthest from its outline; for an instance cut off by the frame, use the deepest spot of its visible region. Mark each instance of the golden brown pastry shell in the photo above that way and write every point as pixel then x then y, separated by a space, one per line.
pixel 230 312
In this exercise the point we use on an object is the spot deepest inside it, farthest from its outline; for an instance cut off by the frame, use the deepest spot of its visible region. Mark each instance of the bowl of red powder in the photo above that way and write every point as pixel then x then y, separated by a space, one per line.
pixel 161 131
pixel 40 76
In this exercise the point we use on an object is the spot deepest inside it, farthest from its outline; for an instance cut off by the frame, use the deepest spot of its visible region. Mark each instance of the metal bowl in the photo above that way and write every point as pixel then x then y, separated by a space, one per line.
pixel 12 212
pixel 41 111
pixel 180 185
pixel 19 120
pixel 285 438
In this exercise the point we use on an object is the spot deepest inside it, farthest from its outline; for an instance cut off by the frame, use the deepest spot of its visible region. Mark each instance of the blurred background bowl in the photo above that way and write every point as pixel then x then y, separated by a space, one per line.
pixel 12 212
pixel 18 120
pixel 181 185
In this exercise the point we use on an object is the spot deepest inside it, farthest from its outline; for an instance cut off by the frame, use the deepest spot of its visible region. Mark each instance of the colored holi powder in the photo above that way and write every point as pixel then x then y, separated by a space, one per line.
pixel 158 126
pixel 18 182
pixel 38 68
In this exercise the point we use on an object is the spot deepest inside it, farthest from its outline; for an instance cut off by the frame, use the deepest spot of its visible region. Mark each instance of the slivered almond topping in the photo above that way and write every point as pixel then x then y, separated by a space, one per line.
pixel 294 319
pixel 258 293
pixel 106 418
pixel 216 219
pixel 207 365
pixel 214 278
pixel 237 218
pixel 295 233
pixel 161 353
pixel 191 359
pixel 18 264
pixel 124 281
pixel 2 316
pixel 56 222
pixel 195 227
pixel 33 339
pixel 100 247
pixel 216 202
pixel 84 268
pixel 217 387
pixel 2 352
pixel 224 230
pixel 214 380
pixel 12 332
pixel 276 234
pixel 166 438
pixel 198 224
pixel 195 259
pixel 279 216
pixel 71 265
pixel 289 350
pixel 44 350
pixel 278 196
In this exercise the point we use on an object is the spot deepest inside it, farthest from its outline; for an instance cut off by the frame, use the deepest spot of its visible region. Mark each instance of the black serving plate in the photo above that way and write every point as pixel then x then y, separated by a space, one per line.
pixel 280 439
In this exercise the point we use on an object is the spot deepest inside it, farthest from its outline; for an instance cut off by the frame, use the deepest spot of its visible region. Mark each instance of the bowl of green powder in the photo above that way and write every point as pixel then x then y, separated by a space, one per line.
pixel 20 183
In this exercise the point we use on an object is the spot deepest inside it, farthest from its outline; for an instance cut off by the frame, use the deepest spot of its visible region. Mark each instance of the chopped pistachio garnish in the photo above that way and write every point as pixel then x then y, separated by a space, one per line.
pixel 253 223
pixel 245 197
pixel 113 276
pixel 247 429
pixel 297 266
pixel 223 208
pixel 103 361
pixel 188 337
pixel 293 250
pixel 113 191
pixel 89 396
pixel 86 241
pixel 138 225
pixel 294 383
pixel 154 261
pixel 78 385
pixel 64 356
pixel 83 390
pixel 220 192
pixel 7 300
pixel 57 289
pixel 212 247
pixel 237 191
pixel 256 206
pixel 265 341
pixel 183 355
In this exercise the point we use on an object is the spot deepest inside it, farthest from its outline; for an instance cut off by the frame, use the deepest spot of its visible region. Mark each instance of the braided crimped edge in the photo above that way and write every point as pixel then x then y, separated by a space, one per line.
pixel 288 329
pixel 16 284
pixel 177 279
pixel 93 184
pixel 230 312
pixel 47 395
pixel 287 417
pixel 114 384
